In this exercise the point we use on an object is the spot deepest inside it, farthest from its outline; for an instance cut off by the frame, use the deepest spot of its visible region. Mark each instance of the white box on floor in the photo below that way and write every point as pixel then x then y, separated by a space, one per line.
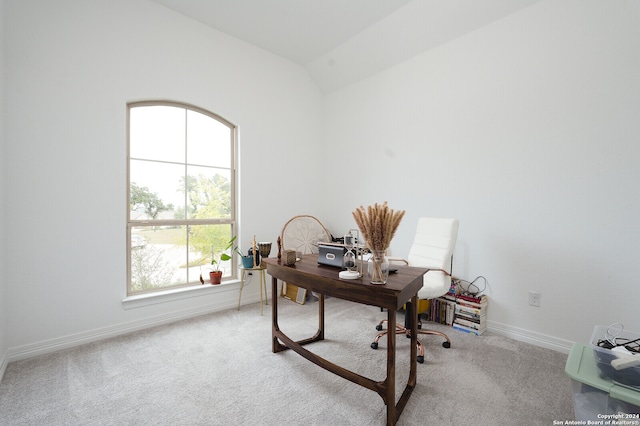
pixel 594 397
pixel 629 376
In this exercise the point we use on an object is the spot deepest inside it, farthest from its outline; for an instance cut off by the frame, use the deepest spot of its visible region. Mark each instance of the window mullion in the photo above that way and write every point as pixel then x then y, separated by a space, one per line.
pixel 157 241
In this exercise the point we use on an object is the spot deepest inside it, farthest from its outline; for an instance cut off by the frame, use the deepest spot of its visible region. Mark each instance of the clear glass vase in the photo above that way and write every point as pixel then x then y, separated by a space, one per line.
pixel 378 267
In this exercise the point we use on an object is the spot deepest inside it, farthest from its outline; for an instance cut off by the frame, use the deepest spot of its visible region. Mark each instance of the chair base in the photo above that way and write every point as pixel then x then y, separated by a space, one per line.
pixel 400 329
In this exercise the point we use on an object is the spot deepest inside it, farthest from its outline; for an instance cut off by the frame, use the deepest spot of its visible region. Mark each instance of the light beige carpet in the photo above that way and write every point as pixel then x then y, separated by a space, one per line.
pixel 218 369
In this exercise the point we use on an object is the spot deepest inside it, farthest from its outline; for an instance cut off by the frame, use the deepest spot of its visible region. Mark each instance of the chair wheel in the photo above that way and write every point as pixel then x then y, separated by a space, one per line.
pixel 379 327
pixel 374 345
pixel 420 359
pixel 446 344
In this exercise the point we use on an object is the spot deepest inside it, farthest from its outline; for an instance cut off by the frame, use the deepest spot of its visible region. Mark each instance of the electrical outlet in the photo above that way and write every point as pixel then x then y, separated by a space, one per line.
pixel 534 298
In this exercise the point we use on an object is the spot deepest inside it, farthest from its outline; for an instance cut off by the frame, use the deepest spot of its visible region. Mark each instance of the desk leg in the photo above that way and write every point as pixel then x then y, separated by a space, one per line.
pixel 276 334
pixel 390 385
pixel 413 369
pixel 320 334
pixel 276 346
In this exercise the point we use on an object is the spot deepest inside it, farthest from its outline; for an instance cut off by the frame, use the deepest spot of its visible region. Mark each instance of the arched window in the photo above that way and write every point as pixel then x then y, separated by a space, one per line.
pixel 181 195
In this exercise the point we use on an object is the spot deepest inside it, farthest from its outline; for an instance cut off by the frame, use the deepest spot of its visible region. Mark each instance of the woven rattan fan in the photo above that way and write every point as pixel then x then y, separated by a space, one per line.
pixel 302 233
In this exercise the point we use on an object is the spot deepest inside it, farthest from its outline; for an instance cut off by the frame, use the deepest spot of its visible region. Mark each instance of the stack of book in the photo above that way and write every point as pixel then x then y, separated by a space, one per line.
pixel 470 314
pixel 442 310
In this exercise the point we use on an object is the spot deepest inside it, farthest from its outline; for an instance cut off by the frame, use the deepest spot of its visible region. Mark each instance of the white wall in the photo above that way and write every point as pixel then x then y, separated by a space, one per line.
pixel 3 302
pixel 71 67
pixel 527 131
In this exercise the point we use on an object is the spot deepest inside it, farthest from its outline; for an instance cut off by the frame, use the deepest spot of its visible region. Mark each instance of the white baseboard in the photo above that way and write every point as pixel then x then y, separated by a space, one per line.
pixel 69 341
pixel 531 337
pixel 3 364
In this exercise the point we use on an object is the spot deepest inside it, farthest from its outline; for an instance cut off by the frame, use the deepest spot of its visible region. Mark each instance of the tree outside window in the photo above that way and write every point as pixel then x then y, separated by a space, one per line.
pixel 181 194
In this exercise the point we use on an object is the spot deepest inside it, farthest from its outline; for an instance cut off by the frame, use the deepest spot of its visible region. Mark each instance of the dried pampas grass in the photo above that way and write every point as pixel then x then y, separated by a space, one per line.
pixel 378 224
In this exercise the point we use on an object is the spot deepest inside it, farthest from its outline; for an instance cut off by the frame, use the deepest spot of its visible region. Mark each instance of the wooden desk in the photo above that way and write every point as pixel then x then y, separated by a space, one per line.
pixel 401 287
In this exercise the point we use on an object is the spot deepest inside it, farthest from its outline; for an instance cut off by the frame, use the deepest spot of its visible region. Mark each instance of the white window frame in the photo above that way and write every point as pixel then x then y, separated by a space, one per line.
pixel 231 221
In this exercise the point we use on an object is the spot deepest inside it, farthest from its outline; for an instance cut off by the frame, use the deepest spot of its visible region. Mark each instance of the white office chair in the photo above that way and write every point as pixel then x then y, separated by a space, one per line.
pixel 432 248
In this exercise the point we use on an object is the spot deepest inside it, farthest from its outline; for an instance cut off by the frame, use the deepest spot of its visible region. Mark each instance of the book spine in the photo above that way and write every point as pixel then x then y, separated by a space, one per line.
pixel 470 324
pixel 466 329
pixel 478 300
pixel 469 310
pixel 463 313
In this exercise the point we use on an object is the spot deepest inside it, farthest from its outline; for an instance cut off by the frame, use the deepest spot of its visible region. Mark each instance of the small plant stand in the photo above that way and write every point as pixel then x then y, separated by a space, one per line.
pixel 263 284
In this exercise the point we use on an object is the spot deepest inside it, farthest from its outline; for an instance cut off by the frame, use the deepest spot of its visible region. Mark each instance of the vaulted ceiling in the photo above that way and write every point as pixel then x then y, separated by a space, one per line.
pixel 343 41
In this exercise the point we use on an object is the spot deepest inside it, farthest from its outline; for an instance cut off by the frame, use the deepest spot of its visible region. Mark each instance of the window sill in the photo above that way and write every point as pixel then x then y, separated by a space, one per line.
pixel 147 299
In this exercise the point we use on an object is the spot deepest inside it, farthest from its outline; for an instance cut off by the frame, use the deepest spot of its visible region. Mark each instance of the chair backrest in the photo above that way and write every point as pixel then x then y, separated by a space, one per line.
pixel 433 247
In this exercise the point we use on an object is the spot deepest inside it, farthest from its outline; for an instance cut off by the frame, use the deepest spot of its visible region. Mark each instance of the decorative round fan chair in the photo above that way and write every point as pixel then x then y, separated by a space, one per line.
pixel 302 233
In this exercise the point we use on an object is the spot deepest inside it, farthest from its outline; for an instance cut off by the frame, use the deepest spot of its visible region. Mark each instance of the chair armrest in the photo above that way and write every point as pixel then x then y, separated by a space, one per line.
pixel 441 270
pixel 395 259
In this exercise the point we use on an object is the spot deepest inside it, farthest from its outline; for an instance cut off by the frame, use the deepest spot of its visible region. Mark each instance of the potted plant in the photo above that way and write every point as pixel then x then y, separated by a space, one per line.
pixel 216 274
pixel 247 259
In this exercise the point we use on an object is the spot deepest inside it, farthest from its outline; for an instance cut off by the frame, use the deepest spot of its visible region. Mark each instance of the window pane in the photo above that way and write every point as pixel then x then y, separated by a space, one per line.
pixel 157 133
pixel 208 141
pixel 207 242
pixel 209 193
pixel 157 190
pixel 181 178
pixel 158 257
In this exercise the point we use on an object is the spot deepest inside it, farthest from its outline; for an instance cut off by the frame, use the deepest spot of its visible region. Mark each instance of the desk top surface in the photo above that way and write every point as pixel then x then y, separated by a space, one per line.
pixel 307 273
